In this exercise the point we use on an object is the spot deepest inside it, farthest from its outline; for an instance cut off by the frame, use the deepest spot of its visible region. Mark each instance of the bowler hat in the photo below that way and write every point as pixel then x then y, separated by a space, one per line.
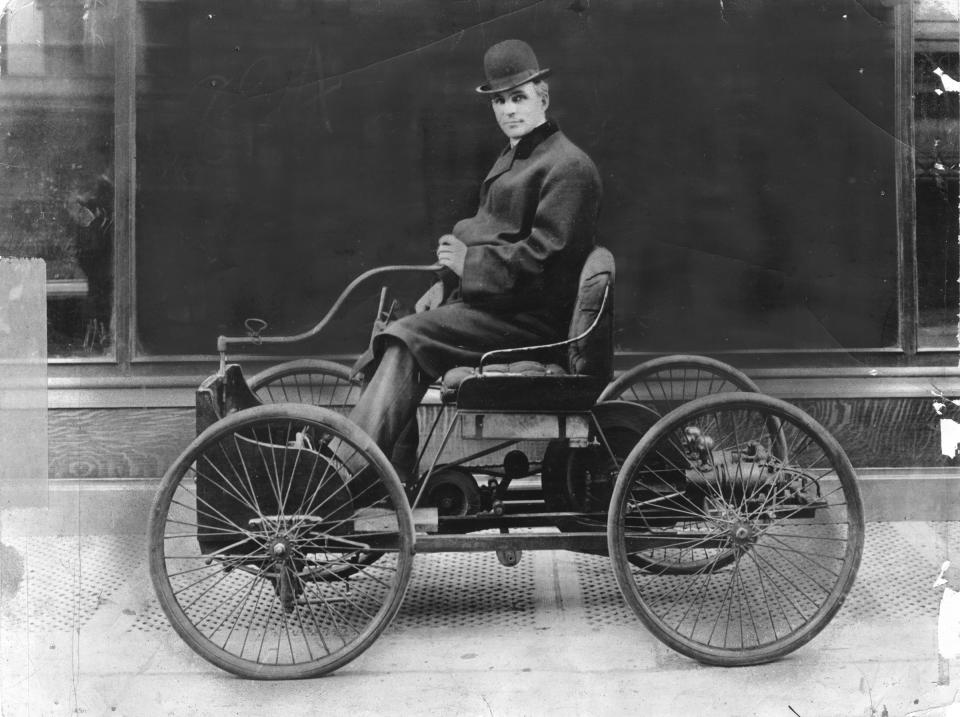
pixel 509 64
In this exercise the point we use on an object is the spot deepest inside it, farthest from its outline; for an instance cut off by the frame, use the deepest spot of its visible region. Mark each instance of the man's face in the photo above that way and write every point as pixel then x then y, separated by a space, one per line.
pixel 519 110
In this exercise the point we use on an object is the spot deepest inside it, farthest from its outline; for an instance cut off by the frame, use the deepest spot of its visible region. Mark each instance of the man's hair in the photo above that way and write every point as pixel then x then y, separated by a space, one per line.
pixel 542 89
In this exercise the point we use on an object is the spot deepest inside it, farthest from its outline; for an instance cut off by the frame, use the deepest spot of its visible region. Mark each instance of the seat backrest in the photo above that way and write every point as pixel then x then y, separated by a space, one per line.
pixel 592 355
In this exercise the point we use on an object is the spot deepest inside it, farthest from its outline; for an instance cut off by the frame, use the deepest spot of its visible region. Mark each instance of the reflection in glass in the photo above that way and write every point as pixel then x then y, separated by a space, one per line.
pixel 56 104
pixel 749 173
pixel 937 156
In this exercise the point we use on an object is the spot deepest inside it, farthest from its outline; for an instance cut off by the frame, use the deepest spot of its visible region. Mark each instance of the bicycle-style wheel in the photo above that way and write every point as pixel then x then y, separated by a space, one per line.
pixel 256 539
pixel 310 381
pixel 662 384
pixel 666 382
pixel 793 524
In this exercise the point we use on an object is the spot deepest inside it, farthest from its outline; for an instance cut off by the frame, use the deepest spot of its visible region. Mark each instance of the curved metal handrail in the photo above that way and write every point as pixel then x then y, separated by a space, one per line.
pixel 223 342
pixel 556 344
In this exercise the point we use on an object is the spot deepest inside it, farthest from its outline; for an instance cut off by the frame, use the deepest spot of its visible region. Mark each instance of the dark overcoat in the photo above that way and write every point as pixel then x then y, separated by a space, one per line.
pixel 535 224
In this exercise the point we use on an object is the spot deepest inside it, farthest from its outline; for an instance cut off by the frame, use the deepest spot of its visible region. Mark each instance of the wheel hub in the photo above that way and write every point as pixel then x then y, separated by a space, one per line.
pixel 449 500
pixel 743 534
pixel 280 547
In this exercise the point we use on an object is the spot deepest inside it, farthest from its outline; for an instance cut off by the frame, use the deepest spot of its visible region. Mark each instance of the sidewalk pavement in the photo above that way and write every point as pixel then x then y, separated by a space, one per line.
pixel 82 633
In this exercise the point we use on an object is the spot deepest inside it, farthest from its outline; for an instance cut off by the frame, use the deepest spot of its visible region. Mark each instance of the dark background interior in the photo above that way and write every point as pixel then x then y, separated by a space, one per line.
pixel 746 149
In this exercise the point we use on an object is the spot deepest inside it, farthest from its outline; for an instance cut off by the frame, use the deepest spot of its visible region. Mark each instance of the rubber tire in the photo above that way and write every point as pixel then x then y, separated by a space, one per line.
pixel 616 388
pixel 737 378
pixel 303 367
pixel 156 527
pixel 854 548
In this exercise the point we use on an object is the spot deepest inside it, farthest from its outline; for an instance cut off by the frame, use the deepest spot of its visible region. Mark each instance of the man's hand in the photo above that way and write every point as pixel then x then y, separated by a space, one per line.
pixel 452 253
pixel 431 299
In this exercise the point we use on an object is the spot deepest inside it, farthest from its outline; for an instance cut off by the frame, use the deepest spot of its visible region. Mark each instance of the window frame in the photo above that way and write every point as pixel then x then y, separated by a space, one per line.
pixel 927 37
pixel 906 357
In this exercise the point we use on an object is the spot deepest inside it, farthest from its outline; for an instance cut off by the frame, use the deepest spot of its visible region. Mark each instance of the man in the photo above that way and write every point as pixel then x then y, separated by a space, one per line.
pixel 510 272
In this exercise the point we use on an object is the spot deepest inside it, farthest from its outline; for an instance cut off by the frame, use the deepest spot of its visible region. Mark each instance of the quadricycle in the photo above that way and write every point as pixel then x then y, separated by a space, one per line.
pixel 281 541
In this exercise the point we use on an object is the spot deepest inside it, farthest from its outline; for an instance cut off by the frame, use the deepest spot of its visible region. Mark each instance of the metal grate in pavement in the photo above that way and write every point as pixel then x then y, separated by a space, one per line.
pixel 150 618
pixel 446 590
pixel 894 581
pixel 468 590
pixel 603 603
pixel 66 579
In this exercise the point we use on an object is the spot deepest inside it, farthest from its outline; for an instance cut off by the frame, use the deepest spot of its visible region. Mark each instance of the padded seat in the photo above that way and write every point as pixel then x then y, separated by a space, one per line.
pixel 524 392
pixel 452 379
pixel 519 386
pixel 528 385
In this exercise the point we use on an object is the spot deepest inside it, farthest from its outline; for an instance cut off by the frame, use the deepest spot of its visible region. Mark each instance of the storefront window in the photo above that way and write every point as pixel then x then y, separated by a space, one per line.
pixel 937 122
pixel 56 98
pixel 748 153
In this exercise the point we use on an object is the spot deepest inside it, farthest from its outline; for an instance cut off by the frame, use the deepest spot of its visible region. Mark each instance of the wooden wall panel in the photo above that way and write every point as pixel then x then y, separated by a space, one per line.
pixel 141 443
pixel 895 432
pixel 117 443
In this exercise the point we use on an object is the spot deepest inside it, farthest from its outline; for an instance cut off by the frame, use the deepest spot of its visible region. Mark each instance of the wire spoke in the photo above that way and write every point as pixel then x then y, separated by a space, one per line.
pixel 742 553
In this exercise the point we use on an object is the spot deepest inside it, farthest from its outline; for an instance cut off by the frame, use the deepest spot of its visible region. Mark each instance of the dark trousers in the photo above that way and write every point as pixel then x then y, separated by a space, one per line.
pixel 387 408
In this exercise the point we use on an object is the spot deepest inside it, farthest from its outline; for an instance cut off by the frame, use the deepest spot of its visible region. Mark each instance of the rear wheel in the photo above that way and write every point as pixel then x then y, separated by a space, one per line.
pixel 258 538
pixel 662 384
pixel 666 382
pixel 311 381
pixel 793 525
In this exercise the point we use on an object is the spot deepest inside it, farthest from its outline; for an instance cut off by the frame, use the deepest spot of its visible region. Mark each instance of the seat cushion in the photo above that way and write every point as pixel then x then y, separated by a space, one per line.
pixel 519 386
pixel 592 354
pixel 535 386
pixel 452 379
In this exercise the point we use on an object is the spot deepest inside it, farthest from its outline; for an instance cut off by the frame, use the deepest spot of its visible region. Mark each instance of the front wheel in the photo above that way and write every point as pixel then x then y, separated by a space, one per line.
pixel 262 538
pixel 789 527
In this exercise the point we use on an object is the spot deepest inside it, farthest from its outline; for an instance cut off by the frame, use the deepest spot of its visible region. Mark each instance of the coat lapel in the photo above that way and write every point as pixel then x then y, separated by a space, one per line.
pixel 503 163
pixel 523 149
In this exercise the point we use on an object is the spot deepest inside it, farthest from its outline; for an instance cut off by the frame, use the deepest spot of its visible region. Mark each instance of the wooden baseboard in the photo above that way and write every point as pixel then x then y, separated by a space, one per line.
pixel 895 494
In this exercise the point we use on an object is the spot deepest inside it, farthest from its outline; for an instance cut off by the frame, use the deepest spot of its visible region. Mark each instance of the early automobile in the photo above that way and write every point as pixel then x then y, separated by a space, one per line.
pixel 732 520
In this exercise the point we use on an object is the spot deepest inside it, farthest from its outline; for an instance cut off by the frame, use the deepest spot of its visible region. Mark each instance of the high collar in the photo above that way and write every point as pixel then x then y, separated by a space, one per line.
pixel 524 148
